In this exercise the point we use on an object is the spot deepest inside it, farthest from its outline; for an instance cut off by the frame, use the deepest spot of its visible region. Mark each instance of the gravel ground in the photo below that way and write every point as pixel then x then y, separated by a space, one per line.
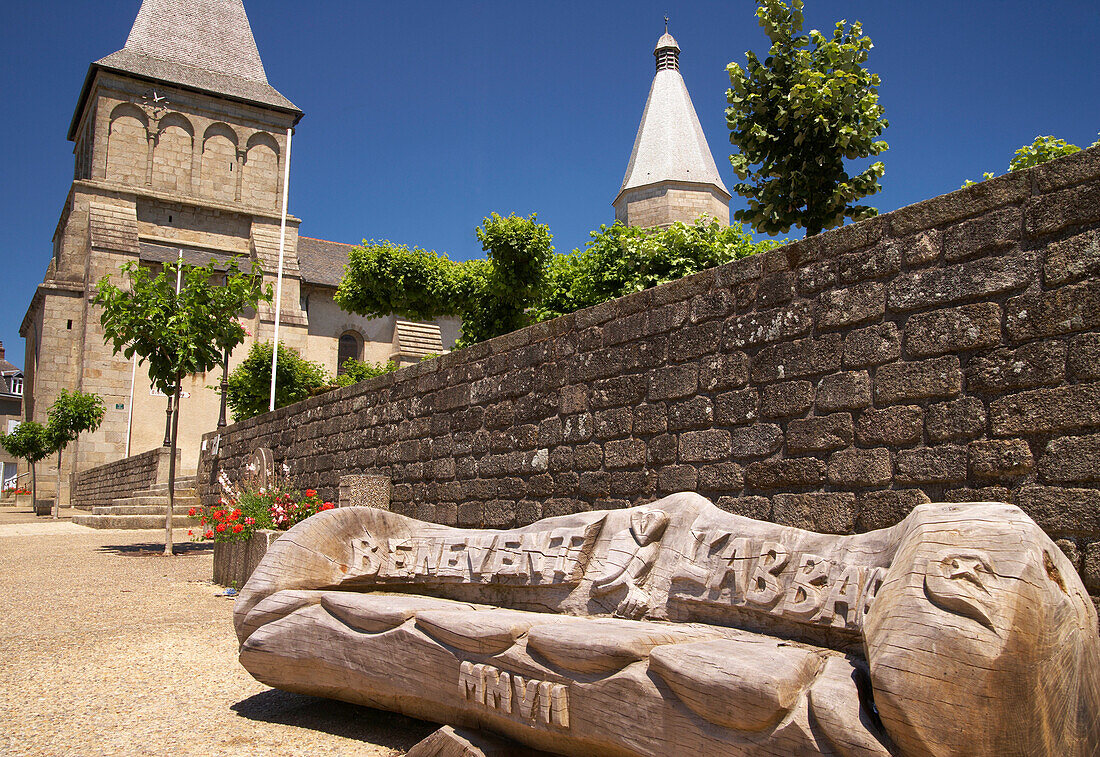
pixel 110 648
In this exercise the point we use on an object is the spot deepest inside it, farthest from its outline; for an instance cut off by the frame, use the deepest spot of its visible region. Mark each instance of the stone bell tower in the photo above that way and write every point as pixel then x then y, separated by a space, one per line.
pixel 180 144
pixel 671 175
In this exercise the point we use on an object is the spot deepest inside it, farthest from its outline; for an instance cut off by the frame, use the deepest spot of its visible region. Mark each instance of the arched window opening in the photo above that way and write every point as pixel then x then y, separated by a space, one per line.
pixel 350 347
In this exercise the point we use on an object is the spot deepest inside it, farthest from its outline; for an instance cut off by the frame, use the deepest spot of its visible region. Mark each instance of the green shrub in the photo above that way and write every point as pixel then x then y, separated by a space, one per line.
pixel 250 383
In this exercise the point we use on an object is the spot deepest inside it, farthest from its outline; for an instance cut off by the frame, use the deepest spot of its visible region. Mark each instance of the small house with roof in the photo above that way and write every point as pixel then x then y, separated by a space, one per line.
pixel 11 413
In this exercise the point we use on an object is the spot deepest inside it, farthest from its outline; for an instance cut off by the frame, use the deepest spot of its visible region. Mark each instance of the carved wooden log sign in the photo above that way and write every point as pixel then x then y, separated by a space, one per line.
pixel 677 628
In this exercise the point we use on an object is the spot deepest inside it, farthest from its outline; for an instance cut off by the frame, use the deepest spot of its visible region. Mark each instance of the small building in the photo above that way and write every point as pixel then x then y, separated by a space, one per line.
pixel 11 413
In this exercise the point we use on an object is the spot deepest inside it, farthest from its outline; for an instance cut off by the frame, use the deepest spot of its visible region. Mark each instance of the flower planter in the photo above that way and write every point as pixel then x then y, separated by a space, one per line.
pixel 43 507
pixel 234 561
pixel 20 500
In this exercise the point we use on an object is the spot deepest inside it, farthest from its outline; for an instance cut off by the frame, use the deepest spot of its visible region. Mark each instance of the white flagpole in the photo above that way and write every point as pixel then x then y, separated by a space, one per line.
pixel 130 417
pixel 279 278
pixel 179 281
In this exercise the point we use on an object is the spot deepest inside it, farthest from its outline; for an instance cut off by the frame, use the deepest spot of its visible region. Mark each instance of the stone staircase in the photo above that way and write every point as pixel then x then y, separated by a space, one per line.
pixel 145 508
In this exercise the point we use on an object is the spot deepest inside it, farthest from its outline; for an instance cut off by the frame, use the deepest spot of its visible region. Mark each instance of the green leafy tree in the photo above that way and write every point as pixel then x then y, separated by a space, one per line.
pixel 492 295
pixel 296 378
pixel 519 250
pixel 31 442
pixel 355 371
pixel 178 334
pixel 799 114
pixel 619 260
pixel 1041 150
pixel 70 415
pixel 383 278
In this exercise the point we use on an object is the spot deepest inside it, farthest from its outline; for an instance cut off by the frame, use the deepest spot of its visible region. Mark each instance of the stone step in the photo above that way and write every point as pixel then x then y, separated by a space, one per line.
pixel 159 500
pixel 182 482
pixel 129 509
pixel 185 491
pixel 131 521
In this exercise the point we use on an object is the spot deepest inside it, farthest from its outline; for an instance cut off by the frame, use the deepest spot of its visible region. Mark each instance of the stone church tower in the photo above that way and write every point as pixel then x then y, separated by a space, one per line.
pixel 179 145
pixel 671 175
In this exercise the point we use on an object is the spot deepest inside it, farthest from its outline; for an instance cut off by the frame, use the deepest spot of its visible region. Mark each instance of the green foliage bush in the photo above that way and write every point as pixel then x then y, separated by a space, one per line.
pixel 383 278
pixel 178 334
pixel 249 390
pixel 357 370
pixel 522 280
pixel 29 441
pixel 1041 150
pixel 492 295
pixel 799 114
pixel 70 415
pixel 623 259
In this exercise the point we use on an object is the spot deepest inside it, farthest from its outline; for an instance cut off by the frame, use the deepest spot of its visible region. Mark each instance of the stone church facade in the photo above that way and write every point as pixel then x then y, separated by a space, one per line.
pixel 179 145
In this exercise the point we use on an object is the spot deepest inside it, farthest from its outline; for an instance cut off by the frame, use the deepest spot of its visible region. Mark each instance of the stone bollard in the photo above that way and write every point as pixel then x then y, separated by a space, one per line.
pixel 365 491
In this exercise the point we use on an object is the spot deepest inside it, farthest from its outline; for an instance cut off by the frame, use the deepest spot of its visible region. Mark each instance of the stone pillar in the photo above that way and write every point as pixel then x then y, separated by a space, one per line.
pixel 365 491
pixel 151 134
pixel 242 156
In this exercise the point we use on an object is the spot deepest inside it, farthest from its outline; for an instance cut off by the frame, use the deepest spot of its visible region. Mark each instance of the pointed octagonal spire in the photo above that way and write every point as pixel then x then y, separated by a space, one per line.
pixel 670 145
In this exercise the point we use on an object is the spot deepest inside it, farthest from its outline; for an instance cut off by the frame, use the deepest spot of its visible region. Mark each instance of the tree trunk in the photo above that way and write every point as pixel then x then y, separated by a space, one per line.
pixel 172 471
pixel 57 497
pixel 34 487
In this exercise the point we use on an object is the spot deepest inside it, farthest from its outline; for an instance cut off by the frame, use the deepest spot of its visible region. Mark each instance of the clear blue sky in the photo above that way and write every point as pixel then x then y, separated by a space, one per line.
pixel 423 117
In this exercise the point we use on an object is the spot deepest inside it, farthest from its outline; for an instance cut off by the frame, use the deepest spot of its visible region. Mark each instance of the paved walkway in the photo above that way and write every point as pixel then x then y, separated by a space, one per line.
pixel 109 648
pixel 10 515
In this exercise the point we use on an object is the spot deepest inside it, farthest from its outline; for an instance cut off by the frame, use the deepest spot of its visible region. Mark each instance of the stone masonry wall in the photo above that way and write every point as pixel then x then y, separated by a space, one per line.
pixel 99 486
pixel 949 350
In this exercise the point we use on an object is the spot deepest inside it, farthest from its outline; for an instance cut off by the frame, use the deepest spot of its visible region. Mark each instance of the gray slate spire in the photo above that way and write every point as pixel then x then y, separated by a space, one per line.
pixel 670 144
pixel 199 44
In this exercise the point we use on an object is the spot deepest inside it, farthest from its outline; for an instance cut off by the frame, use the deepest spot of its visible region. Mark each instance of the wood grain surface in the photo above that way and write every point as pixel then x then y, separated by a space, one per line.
pixel 678 628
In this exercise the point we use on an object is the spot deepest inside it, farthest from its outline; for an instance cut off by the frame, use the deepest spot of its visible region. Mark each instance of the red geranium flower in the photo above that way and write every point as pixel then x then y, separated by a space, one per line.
pixel 237 528
pixel 311 492
pixel 191 513
pixel 327 506
pixel 220 527
pixel 208 535
pixel 190 533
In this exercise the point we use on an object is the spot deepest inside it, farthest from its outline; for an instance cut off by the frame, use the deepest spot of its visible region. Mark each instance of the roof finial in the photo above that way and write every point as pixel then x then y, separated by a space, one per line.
pixel 666 24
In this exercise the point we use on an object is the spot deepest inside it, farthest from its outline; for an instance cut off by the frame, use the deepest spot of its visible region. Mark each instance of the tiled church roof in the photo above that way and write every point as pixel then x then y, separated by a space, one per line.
pixel 213 35
pixel 322 262
pixel 205 45
pixel 174 72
